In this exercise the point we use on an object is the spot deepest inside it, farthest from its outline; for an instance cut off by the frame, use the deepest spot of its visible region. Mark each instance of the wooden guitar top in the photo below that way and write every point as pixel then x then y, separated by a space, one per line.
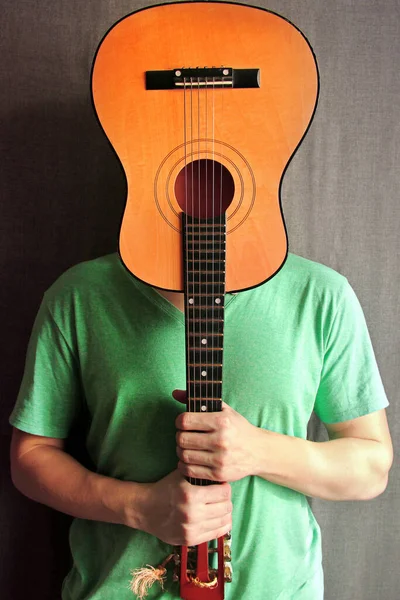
pixel 158 134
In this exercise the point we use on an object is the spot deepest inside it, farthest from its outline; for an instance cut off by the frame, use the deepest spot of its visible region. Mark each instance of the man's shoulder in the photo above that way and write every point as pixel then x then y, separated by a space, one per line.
pixel 300 270
pixel 86 278
pixel 301 278
pixel 97 267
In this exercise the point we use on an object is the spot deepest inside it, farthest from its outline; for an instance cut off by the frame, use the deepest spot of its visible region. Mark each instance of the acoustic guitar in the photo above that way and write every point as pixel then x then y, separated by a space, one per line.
pixel 205 104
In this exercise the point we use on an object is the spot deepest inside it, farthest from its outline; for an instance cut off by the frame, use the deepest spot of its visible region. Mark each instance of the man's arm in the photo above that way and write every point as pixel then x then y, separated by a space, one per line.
pixel 171 509
pixel 44 472
pixel 352 465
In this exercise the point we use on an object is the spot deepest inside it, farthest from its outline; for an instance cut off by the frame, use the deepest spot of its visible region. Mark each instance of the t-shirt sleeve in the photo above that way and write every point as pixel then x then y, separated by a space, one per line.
pixel 49 398
pixel 350 384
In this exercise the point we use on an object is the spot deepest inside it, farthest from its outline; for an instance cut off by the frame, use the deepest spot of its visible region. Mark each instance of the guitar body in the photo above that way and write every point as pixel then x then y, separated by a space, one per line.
pixel 158 133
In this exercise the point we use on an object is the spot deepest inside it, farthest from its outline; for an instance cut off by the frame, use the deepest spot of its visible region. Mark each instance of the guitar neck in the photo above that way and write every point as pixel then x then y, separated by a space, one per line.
pixel 204 250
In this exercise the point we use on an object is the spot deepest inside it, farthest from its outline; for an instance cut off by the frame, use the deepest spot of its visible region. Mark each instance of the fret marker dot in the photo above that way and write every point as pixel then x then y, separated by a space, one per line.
pixel 217 300
pixel 204 373
pixel 191 301
pixel 203 407
pixel 204 341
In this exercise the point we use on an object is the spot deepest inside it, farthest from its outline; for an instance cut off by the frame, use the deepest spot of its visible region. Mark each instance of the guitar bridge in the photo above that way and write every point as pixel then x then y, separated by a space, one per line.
pixel 202 77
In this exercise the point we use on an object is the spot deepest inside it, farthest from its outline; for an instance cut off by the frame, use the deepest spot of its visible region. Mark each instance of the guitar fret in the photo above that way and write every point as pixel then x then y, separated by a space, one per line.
pixel 201 278
pixel 205 365
pixel 195 374
pixel 207 320
pixel 204 256
pixel 204 381
pixel 220 228
pixel 204 391
pixel 206 223
pixel 202 294
pixel 221 243
pixel 206 273
pixel 205 333
pixel 206 307
pixel 204 238
pixel 205 399
pixel 210 307
pixel 213 349
pixel 207 312
pixel 216 237
pixel 203 327
pixel 203 245
pixel 207 356
pixel 203 315
pixel 207 251
pixel 208 282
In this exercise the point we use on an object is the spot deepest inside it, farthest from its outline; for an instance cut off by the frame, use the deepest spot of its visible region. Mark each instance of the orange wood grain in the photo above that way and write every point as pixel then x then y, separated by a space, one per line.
pixel 256 131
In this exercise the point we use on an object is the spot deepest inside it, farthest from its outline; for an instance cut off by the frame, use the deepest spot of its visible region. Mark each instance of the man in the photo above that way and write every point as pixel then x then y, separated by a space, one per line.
pixel 109 349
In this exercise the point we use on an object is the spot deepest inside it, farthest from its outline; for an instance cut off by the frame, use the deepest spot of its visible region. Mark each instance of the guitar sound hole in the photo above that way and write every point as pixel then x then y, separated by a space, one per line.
pixel 204 188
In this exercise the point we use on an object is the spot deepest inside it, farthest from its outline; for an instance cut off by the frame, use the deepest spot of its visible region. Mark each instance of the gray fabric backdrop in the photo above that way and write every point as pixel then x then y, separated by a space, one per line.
pixel 62 194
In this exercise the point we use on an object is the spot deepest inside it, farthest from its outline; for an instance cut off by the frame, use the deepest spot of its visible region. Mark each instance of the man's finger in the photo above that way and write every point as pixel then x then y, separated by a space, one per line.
pixel 192 421
pixel 180 395
pixel 196 471
pixel 189 440
pixel 210 494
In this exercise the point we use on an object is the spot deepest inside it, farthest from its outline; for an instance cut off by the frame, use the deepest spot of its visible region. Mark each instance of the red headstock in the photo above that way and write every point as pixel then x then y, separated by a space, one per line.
pixel 198 580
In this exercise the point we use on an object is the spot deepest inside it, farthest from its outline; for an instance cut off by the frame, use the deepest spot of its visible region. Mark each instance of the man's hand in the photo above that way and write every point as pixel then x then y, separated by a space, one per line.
pixel 216 446
pixel 183 514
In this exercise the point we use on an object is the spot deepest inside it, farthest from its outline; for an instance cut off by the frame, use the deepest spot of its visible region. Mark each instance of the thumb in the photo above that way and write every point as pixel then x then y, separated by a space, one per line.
pixel 180 395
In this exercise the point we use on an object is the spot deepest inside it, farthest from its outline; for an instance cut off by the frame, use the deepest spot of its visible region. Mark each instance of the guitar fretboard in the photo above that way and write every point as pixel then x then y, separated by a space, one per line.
pixel 204 273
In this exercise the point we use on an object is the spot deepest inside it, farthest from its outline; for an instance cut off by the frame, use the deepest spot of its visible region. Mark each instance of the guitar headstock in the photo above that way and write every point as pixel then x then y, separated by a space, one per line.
pixel 204 569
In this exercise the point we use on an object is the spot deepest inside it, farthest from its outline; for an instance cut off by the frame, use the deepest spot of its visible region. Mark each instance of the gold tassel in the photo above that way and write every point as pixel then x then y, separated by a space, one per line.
pixel 143 578
pixel 205 584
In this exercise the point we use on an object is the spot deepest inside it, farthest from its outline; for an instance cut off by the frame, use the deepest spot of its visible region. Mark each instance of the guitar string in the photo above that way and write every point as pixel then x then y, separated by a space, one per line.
pixel 187 246
pixel 217 247
pixel 203 350
pixel 201 368
pixel 222 265
pixel 213 237
pixel 197 368
pixel 192 385
pixel 206 245
pixel 221 253
pixel 186 239
pixel 212 311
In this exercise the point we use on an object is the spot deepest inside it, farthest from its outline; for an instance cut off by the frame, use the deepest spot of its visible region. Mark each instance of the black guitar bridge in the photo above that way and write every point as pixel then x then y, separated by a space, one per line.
pixel 201 77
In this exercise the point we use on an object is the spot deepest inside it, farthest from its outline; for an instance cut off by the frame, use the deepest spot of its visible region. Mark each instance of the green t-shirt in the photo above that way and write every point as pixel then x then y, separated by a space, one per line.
pixel 107 343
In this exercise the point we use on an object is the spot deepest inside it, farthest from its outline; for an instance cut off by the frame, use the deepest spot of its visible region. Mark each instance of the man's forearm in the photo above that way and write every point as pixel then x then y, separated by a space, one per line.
pixel 340 469
pixel 53 477
pixel 170 509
